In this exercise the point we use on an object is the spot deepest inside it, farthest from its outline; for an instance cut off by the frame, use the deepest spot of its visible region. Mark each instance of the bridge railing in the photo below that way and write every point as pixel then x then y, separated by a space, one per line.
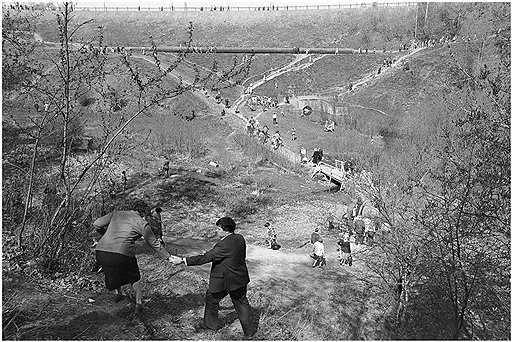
pixel 286 153
pixel 244 8
pixel 104 8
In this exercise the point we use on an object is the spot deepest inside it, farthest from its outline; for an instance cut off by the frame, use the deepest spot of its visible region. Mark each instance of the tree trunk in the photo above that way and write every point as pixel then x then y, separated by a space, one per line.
pixel 28 200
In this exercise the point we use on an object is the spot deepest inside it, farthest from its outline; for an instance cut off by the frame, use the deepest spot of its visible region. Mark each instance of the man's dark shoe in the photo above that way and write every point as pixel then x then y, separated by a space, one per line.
pixel 250 336
pixel 200 326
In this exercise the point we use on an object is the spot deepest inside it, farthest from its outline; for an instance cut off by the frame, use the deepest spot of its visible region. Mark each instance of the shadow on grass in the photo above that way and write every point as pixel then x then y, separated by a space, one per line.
pixel 117 323
pixel 173 306
pixel 90 326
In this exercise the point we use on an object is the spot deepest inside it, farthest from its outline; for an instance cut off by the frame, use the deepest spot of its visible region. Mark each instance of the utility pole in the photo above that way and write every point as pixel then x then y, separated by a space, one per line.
pixel 416 26
pixel 425 26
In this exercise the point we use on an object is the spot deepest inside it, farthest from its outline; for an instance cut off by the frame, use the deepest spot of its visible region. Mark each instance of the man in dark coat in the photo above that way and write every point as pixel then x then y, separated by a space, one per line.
pixel 228 275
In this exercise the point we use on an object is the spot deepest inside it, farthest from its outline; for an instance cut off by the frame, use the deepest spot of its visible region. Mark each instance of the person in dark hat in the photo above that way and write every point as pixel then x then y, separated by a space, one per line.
pixel 115 251
pixel 228 275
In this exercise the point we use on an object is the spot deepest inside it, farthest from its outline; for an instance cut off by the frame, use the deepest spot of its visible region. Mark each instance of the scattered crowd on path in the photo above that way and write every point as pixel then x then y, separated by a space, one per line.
pixel 262 132
pixel 358 229
pixel 254 128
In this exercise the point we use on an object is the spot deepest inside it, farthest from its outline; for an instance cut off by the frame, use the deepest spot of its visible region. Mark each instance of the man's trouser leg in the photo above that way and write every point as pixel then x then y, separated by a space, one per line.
pixel 211 310
pixel 243 309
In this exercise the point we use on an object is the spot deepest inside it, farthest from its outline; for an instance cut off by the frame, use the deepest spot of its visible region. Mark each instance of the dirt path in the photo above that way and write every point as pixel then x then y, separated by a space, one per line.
pixel 284 283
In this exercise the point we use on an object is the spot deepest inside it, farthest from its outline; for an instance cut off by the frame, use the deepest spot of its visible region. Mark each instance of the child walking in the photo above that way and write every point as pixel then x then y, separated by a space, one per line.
pixel 318 253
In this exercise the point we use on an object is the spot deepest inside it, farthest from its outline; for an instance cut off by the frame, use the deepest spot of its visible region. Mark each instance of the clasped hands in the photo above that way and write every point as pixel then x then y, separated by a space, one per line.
pixel 175 260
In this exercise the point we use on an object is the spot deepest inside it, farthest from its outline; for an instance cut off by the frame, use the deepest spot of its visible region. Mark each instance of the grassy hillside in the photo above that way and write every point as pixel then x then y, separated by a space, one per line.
pixel 433 155
pixel 386 101
pixel 315 28
pixel 408 93
pixel 329 72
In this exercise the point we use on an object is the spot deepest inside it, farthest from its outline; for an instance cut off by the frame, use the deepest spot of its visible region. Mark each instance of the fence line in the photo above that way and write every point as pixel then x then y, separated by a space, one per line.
pixel 28 6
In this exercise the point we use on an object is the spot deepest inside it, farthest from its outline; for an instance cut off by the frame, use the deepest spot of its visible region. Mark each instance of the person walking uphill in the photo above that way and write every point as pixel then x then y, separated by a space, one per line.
pixel 115 251
pixel 228 275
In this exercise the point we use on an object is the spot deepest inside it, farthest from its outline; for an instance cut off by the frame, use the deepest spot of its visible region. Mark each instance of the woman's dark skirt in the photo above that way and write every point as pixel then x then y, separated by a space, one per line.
pixel 119 269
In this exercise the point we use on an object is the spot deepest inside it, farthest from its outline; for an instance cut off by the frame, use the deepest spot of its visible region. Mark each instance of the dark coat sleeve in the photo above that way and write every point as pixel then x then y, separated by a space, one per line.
pixel 229 270
pixel 218 252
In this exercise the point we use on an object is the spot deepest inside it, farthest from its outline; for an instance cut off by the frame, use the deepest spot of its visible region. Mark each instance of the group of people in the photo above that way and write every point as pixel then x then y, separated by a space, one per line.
pixel 362 228
pixel 215 8
pixel 275 141
pixel 252 126
pixel 409 46
pixel 262 133
pixel 316 157
pixel 343 248
pixel 318 254
pixel 117 233
pixel 329 125
pixel 260 100
pixel 388 62
pixel 357 229
pixel 356 223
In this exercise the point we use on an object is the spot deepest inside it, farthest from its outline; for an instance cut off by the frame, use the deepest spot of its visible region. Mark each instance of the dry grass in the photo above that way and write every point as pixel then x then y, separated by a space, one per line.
pixel 315 28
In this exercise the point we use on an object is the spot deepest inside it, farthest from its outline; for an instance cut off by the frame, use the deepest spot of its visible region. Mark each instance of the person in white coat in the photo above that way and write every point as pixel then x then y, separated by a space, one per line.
pixel 318 253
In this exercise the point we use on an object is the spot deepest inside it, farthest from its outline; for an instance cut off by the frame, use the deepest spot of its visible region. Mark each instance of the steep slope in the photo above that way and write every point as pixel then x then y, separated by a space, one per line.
pixel 400 91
